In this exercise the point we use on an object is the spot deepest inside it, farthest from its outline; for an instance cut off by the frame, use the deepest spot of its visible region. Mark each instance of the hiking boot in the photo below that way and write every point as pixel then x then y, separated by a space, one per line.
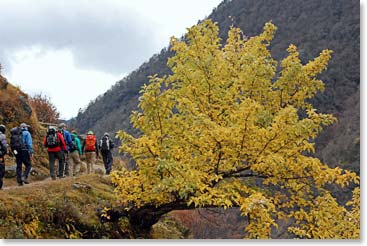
pixel 25 181
pixel 53 178
pixel 20 184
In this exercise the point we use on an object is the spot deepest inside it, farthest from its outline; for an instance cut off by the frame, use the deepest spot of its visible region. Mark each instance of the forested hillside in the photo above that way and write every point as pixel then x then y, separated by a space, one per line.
pixel 311 25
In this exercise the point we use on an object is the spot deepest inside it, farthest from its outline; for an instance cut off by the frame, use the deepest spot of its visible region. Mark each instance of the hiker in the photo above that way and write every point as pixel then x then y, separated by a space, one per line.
pixel 90 148
pixel 21 146
pixel 75 152
pixel 68 141
pixel 105 146
pixel 3 152
pixel 56 146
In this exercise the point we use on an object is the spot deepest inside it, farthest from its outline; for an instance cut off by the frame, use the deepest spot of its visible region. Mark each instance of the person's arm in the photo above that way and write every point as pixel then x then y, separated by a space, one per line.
pixel 97 149
pixel 4 144
pixel 83 147
pixel 63 144
pixel 28 141
pixel 78 145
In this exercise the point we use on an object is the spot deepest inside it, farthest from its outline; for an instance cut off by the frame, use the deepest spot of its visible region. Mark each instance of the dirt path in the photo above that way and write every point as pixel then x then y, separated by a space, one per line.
pixel 31 184
pixel 11 183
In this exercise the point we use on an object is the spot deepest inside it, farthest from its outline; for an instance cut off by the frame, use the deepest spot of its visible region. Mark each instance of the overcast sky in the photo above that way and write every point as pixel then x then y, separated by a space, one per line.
pixel 75 50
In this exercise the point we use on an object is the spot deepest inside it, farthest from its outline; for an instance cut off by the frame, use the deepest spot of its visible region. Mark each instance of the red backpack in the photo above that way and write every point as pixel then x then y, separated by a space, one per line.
pixel 90 143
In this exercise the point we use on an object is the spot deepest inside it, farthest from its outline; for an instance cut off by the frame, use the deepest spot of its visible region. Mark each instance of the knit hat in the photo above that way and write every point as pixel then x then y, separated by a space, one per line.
pixel 23 125
pixel 90 133
pixel 62 125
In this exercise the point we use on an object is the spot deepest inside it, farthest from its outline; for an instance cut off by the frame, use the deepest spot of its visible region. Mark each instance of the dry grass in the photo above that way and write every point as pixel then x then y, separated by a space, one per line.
pixel 65 208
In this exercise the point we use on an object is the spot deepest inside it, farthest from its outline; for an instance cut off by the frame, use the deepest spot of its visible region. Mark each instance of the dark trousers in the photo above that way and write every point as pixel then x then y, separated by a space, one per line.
pixel 52 156
pixel 2 171
pixel 23 157
pixel 107 160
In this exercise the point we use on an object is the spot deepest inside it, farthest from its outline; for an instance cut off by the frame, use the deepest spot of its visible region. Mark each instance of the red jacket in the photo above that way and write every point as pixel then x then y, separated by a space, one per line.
pixel 57 148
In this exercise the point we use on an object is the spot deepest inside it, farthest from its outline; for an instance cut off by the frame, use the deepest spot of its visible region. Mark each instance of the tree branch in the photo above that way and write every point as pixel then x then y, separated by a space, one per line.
pixel 231 173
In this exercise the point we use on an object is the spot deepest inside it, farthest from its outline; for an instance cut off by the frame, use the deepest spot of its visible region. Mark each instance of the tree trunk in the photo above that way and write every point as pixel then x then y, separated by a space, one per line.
pixel 141 222
pixel 142 219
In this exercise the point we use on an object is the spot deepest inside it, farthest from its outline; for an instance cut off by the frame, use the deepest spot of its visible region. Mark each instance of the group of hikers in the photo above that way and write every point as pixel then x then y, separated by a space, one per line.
pixel 61 145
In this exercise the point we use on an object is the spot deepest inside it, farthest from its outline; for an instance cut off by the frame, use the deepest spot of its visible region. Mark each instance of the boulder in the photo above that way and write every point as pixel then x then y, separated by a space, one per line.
pixel 99 170
pixel 10 171
pixel 82 186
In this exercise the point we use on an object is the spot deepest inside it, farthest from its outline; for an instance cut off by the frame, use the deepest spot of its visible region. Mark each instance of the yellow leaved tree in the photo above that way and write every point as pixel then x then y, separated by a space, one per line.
pixel 232 128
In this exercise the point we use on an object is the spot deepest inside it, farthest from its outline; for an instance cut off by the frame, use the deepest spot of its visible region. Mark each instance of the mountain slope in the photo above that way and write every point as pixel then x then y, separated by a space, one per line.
pixel 15 109
pixel 311 25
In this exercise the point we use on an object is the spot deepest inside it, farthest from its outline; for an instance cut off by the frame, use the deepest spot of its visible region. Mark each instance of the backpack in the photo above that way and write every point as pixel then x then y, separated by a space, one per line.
pixel 52 140
pixel 105 143
pixel 90 143
pixel 73 145
pixel 3 150
pixel 16 139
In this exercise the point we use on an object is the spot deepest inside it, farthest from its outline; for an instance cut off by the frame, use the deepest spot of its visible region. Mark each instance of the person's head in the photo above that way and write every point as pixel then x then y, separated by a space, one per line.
pixel 62 126
pixel 23 126
pixel 52 129
pixel 106 134
pixel 2 129
pixel 74 132
pixel 90 133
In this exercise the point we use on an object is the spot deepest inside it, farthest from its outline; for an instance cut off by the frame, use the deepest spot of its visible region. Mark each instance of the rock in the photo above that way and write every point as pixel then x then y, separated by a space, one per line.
pixel 83 167
pixel 82 186
pixel 34 172
pixel 99 170
pixel 10 171
pixel 25 105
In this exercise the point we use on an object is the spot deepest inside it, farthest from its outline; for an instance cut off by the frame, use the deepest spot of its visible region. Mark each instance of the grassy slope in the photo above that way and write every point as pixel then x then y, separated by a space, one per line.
pixel 68 208
pixel 56 209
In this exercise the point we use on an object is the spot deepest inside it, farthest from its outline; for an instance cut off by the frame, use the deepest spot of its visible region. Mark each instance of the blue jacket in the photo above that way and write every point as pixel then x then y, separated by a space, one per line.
pixel 67 138
pixel 27 140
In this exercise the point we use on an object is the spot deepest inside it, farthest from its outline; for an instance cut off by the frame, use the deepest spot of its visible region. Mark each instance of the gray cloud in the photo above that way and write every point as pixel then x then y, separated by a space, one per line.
pixel 100 35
